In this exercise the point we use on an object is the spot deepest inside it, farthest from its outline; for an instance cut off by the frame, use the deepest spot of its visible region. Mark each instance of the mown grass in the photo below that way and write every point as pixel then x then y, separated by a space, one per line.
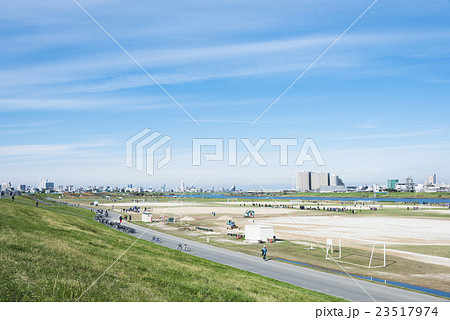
pixel 54 253
pixel 432 250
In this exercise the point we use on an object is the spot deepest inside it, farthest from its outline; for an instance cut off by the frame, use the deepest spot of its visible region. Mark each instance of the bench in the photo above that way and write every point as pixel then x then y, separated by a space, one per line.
pixel 204 229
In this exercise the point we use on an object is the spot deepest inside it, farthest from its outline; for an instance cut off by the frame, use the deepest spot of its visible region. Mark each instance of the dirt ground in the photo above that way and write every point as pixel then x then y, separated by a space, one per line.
pixel 392 230
pixel 312 226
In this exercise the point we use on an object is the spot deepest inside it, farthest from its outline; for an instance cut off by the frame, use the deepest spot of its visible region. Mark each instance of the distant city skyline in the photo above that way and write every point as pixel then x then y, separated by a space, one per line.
pixel 302 181
pixel 376 103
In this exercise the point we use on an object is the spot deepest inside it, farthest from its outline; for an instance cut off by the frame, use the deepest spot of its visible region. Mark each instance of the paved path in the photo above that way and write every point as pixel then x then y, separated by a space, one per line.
pixel 332 284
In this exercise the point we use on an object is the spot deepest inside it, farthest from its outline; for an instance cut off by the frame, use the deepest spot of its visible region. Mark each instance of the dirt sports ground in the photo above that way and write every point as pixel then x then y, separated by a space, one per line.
pixel 417 237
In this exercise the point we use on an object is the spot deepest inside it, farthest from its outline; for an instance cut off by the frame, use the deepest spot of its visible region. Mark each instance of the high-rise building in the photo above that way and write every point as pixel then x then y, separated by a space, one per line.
pixel 333 180
pixel 45 184
pixel 410 186
pixel 432 179
pixel 6 186
pixel 392 184
pixel 303 181
pixel 324 179
pixel 314 181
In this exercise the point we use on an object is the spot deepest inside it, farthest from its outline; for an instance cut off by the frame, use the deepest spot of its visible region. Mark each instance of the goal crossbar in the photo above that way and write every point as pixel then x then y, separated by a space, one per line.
pixel 330 250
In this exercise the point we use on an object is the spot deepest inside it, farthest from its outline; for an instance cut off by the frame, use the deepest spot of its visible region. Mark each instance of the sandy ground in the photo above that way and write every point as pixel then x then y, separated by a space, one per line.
pixel 189 209
pixel 289 224
pixel 147 204
pixel 392 230
pixel 420 257
pixel 239 207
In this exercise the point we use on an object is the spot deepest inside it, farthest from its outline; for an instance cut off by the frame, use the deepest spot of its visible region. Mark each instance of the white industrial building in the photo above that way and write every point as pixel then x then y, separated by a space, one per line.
pixel 255 232
pixel 146 217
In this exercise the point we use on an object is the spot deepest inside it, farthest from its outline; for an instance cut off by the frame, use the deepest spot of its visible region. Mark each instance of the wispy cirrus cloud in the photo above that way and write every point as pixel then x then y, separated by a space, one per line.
pixel 111 71
pixel 35 103
pixel 50 150
pixel 392 135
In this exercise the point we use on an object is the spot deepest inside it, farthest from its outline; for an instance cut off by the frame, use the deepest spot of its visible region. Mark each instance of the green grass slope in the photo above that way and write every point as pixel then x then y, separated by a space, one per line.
pixel 54 253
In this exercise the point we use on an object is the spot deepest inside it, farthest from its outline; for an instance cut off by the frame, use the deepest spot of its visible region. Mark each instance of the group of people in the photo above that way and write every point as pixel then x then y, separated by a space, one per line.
pixel 127 218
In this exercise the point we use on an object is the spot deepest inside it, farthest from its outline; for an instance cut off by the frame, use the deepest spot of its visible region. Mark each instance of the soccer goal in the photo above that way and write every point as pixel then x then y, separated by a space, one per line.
pixel 358 252
pixel 179 218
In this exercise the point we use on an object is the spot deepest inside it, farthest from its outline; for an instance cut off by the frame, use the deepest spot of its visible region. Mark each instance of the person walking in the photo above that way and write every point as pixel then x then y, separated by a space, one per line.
pixel 264 252
pixel 120 219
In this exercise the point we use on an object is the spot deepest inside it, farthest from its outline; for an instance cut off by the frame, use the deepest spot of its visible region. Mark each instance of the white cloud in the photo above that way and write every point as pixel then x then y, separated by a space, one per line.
pixel 77 103
pixel 110 71
pixel 391 135
pixel 50 150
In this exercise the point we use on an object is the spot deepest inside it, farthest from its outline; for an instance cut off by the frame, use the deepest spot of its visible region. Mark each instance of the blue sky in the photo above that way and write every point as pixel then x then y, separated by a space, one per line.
pixel 376 104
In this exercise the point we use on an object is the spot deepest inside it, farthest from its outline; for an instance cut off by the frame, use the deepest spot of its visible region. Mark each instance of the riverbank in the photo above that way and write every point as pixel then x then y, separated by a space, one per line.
pixel 403 195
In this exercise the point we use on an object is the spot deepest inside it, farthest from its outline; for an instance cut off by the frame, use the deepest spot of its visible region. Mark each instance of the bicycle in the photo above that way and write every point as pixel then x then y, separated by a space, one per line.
pixel 129 230
pixel 117 225
pixel 156 239
pixel 183 247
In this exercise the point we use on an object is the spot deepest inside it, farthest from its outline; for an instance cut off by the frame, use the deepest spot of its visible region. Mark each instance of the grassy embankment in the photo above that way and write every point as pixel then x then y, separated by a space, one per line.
pixel 54 253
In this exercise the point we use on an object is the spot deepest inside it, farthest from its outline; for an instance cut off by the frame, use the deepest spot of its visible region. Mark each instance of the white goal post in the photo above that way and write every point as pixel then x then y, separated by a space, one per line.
pixel 180 218
pixel 366 251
